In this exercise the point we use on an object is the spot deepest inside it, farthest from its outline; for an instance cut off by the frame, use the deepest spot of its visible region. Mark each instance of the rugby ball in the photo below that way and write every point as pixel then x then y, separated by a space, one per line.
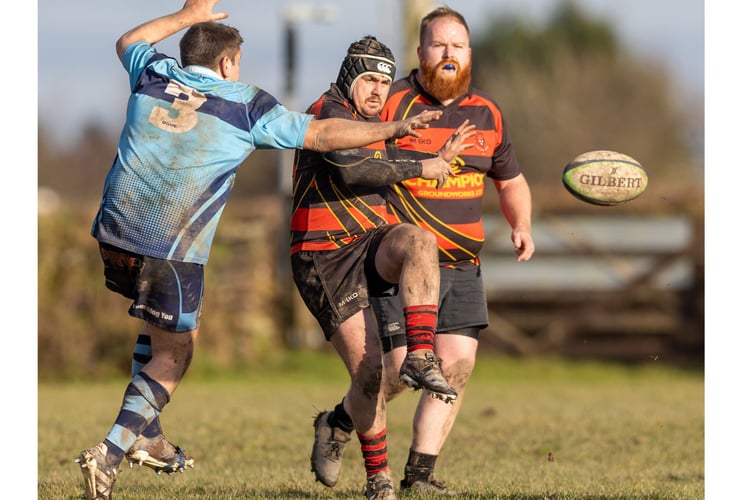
pixel 605 178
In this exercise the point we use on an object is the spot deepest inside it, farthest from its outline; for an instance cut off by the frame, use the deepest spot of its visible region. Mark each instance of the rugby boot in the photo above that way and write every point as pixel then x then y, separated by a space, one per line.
pixel 426 487
pixel 99 476
pixel 379 487
pixel 159 454
pixel 328 444
pixel 422 370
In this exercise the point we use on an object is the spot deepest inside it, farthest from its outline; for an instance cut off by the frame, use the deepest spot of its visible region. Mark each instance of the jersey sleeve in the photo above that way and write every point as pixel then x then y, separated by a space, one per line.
pixel 505 165
pixel 276 127
pixel 135 58
pixel 355 169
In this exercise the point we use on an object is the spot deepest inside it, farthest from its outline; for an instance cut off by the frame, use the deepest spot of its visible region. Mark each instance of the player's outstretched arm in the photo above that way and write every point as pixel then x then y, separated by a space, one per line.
pixel 376 172
pixel 193 11
pixel 331 134
pixel 369 171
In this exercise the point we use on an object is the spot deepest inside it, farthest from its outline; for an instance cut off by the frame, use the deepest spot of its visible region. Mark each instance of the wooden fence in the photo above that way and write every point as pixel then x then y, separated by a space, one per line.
pixel 626 288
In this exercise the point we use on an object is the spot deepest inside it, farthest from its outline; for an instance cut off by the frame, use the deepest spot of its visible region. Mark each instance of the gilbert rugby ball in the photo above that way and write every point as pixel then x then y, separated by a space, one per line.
pixel 605 178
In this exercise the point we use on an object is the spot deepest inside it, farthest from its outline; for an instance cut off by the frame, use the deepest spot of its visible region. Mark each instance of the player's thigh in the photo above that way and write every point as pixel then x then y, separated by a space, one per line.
pixel 388 249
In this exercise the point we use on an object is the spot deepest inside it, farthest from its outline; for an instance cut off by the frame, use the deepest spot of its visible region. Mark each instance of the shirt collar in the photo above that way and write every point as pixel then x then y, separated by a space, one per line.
pixel 195 68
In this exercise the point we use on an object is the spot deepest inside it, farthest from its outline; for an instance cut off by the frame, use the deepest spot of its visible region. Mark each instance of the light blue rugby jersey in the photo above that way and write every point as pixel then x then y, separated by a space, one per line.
pixel 185 135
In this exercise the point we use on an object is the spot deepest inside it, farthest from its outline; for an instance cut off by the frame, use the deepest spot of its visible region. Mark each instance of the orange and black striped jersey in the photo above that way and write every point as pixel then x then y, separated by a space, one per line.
pixel 453 212
pixel 340 195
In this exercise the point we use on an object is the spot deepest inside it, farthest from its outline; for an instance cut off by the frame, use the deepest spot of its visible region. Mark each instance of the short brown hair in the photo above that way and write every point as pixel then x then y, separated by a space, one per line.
pixel 205 44
pixel 442 11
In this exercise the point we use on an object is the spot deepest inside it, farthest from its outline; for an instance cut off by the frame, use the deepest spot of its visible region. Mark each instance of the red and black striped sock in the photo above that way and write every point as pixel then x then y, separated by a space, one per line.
pixel 374 452
pixel 420 326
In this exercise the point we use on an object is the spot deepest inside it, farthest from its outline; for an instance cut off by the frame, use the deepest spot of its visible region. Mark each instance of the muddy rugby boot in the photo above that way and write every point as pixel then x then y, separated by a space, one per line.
pixel 379 487
pixel 426 487
pixel 423 371
pixel 159 454
pixel 99 477
pixel 328 444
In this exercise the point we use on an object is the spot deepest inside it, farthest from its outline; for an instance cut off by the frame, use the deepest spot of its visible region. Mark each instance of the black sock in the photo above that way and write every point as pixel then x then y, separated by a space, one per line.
pixel 419 466
pixel 340 418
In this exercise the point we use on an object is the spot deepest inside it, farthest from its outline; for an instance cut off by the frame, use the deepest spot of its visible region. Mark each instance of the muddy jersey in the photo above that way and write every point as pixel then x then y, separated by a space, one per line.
pixel 338 196
pixel 452 212
pixel 186 133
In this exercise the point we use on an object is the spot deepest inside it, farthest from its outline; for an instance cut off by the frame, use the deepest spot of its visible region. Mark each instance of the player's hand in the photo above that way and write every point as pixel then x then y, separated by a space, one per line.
pixel 410 125
pixel 437 169
pixel 523 245
pixel 457 142
pixel 203 9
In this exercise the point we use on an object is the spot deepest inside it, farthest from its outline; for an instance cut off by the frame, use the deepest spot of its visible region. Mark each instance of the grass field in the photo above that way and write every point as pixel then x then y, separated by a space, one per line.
pixel 615 432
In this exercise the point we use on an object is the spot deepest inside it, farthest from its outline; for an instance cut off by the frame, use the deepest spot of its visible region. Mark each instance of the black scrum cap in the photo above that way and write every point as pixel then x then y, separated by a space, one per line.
pixel 367 55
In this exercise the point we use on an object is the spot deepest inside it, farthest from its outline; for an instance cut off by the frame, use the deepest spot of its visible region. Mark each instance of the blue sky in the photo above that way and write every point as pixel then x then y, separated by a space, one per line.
pixel 81 79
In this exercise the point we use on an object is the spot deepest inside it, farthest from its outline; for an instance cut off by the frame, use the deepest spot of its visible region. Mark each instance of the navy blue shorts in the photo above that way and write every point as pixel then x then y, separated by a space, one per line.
pixel 463 308
pixel 165 293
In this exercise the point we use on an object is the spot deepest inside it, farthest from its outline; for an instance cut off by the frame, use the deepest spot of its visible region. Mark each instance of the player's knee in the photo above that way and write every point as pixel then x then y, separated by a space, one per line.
pixel 459 372
pixel 424 239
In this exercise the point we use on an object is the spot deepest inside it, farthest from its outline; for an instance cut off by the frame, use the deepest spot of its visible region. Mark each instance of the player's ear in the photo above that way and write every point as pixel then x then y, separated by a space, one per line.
pixel 225 64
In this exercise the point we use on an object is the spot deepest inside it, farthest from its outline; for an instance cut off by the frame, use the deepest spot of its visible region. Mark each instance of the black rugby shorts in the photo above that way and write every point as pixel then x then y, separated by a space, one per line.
pixel 336 284
pixel 463 308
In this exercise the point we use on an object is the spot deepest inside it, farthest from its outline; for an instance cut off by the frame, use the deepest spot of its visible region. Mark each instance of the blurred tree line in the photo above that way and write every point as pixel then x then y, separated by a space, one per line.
pixel 565 87
pixel 569 86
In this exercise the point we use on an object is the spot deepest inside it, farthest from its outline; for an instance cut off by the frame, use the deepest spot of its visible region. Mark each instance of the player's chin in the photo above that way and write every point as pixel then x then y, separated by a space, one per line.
pixel 371 109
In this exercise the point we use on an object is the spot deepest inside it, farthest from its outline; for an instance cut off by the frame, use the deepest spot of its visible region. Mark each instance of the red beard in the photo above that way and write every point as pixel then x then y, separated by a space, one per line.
pixel 442 88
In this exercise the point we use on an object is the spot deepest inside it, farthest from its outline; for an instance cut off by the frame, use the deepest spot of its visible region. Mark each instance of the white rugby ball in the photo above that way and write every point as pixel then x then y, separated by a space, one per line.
pixel 605 177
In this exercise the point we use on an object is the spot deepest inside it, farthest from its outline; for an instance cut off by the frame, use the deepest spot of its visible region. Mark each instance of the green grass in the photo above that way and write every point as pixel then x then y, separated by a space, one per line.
pixel 615 432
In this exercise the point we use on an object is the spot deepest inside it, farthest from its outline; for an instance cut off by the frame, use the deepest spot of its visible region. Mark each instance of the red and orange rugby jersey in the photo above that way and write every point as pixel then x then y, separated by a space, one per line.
pixel 453 212
pixel 327 213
